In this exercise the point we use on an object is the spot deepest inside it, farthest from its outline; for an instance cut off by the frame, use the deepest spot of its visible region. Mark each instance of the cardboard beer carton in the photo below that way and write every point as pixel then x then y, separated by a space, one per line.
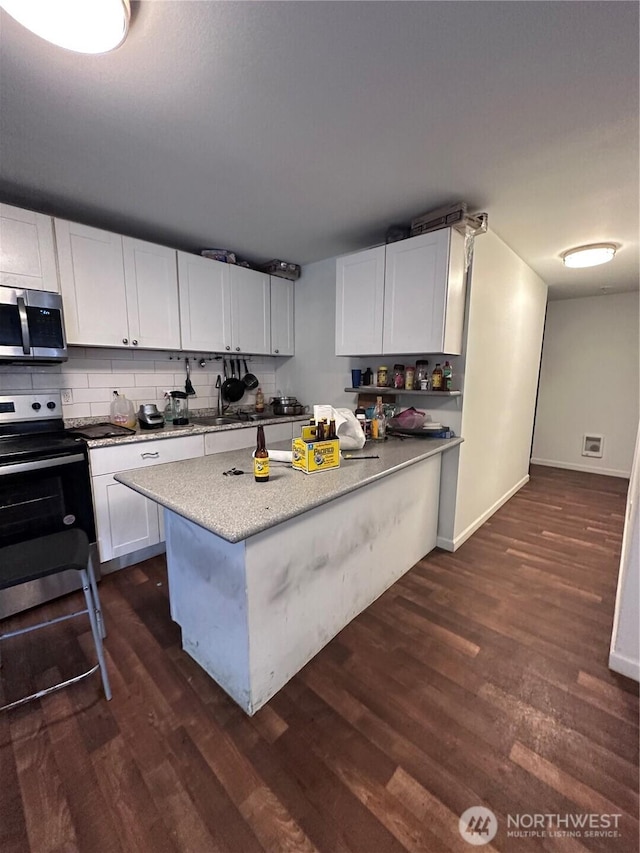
pixel 312 456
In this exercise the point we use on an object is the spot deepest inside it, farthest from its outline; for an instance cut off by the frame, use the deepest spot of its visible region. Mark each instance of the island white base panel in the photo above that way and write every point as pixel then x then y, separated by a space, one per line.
pixel 253 613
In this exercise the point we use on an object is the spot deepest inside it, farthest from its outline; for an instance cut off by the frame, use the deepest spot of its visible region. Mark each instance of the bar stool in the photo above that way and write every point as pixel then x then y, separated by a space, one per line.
pixel 49 555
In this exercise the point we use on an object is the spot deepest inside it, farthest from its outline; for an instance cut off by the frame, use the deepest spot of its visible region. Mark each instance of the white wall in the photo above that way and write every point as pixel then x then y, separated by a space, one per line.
pixel 505 319
pixel 315 374
pixel 624 655
pixel 589 383
pixel 94 373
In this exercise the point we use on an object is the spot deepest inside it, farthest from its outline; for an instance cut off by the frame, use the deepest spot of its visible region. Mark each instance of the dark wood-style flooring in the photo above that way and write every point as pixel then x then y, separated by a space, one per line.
pixel 479 678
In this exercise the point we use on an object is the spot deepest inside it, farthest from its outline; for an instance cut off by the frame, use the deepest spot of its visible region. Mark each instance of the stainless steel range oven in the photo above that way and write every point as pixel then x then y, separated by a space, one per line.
pixel 44 486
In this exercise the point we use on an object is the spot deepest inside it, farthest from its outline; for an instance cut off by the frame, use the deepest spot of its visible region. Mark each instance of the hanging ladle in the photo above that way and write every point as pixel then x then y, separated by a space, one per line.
pixel 250 381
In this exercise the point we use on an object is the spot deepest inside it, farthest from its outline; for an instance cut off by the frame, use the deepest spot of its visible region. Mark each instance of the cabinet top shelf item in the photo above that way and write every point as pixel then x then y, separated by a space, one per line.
pixel 374 389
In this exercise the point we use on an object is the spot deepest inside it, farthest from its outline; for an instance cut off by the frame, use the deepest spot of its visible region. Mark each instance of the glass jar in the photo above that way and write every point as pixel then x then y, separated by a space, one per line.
pixel 398 376
pixel 383 376
pixel 409 376
pixel 422 379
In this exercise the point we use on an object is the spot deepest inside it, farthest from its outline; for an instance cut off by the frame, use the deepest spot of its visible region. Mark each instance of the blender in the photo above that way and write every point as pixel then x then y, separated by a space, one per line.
pixel 179 408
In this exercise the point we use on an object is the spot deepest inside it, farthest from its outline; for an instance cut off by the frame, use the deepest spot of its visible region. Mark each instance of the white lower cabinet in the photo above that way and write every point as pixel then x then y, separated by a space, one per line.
pixel 125 520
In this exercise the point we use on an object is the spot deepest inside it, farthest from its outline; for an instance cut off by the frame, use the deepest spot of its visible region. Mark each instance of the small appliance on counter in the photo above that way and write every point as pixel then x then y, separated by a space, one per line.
pixel 179 408
pixel 149 417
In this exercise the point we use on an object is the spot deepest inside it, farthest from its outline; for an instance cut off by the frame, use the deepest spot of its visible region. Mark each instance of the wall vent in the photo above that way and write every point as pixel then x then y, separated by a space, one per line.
pixel 592 445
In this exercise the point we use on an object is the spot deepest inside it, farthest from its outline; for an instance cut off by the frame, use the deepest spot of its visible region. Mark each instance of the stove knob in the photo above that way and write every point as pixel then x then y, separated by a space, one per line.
pixel 51 405
pixel 36 407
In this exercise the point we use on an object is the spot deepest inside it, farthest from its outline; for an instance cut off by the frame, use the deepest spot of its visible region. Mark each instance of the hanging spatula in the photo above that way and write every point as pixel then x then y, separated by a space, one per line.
pixel 189 390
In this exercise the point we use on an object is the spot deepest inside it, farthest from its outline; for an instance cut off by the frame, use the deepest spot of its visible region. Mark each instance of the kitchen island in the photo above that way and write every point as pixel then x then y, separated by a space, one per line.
pixel 262 576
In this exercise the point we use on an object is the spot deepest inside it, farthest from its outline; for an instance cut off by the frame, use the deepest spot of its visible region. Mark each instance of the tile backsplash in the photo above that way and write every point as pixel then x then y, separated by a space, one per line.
pixel 92 375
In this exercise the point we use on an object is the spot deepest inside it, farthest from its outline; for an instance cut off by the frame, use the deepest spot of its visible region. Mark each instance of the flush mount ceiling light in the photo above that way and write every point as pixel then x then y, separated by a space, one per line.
pixel 589 256
pixel 86 26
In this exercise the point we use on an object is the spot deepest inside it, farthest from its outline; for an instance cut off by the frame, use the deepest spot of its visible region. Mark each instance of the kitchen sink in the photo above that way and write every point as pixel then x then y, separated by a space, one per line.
pixel 215 420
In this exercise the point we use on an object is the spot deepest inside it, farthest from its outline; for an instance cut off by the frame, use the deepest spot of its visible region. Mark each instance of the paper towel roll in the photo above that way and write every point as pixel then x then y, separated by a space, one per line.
pixel 278 455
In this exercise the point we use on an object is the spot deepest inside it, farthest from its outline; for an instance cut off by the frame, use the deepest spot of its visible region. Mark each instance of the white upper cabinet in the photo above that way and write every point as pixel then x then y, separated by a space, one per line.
pixel 223 308
pixel 27 250
pixel 282 316
pixel 205 303
pixel 117 291
pixel 250 310
pixel 92 285
pixel 415 306
pixel 359 302
pixel 151 280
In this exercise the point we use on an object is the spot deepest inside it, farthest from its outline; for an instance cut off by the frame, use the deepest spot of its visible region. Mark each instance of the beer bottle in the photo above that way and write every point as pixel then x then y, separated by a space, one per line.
pixel 261 459
pixel 320 430
pixel 332 430
pixel 312 424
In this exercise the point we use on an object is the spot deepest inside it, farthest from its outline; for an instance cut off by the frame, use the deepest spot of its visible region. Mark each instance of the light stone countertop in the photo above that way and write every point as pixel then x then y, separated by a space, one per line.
pixel 170 431
pixel 236 507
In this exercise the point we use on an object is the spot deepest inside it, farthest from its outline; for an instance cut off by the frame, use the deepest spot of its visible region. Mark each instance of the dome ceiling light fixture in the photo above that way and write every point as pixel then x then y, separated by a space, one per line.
pixel 85 26
pixel 589 256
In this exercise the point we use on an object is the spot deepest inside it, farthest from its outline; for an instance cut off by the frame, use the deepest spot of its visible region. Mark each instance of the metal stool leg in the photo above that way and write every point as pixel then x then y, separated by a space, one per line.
pixel 96 597
pixel 95 627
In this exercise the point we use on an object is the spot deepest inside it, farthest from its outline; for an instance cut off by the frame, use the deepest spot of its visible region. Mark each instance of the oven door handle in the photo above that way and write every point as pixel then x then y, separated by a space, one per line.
pixel 24 325
pixel 39 464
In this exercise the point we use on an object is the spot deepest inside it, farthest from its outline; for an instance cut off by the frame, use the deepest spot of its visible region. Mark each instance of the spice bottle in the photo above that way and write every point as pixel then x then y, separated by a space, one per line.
pixel 436 378
pixel 409 375
pixel 382 379
pixel 261 459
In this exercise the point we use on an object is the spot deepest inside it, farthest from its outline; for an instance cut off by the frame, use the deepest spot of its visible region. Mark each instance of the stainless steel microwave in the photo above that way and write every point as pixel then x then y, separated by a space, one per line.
pixel 31 326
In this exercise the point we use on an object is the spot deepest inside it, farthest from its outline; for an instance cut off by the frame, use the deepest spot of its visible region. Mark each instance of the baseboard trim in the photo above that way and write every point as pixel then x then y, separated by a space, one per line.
pixel 624 665
pixel 454 544
pixel 571 466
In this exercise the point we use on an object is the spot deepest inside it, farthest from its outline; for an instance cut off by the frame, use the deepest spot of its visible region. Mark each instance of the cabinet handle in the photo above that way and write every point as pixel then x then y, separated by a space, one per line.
pixel 237 349
pixel 276 351
pixel 135 343
pixel 155 455
pixel 227 348
pixel 125 340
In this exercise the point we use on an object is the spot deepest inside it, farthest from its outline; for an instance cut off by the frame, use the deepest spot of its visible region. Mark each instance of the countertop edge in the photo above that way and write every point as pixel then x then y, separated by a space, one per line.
pixel 253 529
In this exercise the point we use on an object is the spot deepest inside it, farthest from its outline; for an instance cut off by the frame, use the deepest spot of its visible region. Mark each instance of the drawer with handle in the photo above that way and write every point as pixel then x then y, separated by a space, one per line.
pixel 110 460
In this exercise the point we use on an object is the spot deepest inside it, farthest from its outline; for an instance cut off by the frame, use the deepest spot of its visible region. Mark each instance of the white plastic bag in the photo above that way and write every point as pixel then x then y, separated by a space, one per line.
pixel 348 429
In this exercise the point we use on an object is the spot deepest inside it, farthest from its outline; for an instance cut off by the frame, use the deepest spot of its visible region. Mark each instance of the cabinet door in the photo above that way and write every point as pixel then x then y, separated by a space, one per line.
pixel 151 279
pixel 282 317
pixel 415 293
pixel 359 302
pixel 27 252
pixel 205 304
pixel 125 520
pixel 250 310
pixel 92 285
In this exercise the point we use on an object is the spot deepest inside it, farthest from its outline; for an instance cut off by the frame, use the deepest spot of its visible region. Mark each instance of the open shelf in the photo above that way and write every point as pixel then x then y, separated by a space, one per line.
pixel 381 392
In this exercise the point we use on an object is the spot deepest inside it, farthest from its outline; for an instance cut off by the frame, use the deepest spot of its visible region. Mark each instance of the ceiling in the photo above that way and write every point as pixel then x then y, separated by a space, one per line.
pixel 303 130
